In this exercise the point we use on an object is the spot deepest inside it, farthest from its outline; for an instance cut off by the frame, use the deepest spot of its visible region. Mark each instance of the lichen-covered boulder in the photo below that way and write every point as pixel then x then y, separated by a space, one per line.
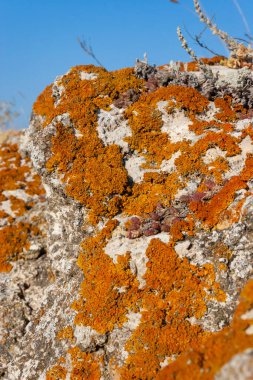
pixel 148 176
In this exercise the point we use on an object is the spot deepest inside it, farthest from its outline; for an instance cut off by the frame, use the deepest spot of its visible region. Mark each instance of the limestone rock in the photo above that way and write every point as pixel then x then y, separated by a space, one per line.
pixel 149 236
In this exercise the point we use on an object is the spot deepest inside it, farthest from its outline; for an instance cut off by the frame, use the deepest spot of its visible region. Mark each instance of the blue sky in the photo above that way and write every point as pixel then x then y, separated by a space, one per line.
pixel 38 38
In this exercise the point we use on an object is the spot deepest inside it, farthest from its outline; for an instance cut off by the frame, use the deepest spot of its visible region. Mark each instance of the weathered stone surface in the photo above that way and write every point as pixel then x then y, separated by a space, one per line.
pixel 238 368
pixel 149 236
pixel 22 242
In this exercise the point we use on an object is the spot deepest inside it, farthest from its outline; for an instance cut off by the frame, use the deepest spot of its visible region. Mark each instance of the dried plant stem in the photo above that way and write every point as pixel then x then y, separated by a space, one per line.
pixel 89 51
pixel 231 44
pixel 185 45
pixel 199 42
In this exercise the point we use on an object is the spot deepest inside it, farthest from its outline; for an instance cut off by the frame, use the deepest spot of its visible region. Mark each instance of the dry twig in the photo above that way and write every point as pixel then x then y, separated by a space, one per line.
pixel 89 51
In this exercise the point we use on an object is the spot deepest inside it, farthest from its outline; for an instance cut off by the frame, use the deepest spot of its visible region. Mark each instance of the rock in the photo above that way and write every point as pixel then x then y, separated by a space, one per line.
pixel 125 297
pixel 238 368
pixel 24 267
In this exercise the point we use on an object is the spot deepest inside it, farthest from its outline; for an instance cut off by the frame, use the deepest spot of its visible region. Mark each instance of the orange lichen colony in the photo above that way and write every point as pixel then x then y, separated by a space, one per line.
pixel 85 366
pixel 204 361
pixel 175 291
pixel 102 183
pixel 95 175
pixel 103 179
pixel 216 60
pixel 15 233
pixel 107 307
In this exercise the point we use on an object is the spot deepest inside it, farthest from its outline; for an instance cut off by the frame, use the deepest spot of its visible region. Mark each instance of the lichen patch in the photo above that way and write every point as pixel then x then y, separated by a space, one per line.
pixel 20 190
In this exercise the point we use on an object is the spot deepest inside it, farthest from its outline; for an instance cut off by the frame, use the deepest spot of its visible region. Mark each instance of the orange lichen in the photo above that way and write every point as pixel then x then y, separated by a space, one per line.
pixel 99 163
pixel 181 227
pixel 70 154
pixel 14 172
pixel 221 250
pixel 247 171
pixel 227 112
pixel 216 60
pixel 85 366
pixel 3 214
pixel 209 212
pixel 44 104
pixel 14 240
pixel 217 168
pixel 175 291
pixel 108 86
pixel 94 174
pixel 103 279
pixel 231 215
pixel 192 66
pixel 57 372
pixel 211 354
pixel 248 131
pixel 102 183
pixel 66 333
pixel 18 206
pixel 145 120
pixel 155 188
pixel 15 235
pixel 199 126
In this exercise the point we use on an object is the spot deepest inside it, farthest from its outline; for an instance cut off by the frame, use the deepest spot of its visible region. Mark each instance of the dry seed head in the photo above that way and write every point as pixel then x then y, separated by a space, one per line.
pixel 230 42
pixel 185 45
